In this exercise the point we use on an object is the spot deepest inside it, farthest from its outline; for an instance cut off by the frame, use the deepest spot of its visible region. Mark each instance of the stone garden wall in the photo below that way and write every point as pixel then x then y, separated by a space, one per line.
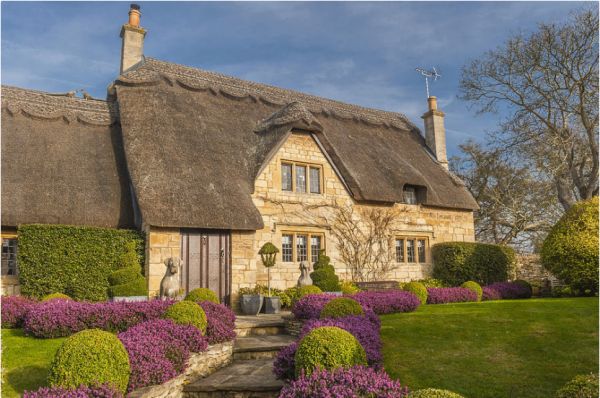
pixel 199 365
pixel 529 267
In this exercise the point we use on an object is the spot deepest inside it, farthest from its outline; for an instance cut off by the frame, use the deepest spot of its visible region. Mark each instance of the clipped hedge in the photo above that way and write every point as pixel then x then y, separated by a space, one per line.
pixel 72 260
pixel 341 307
pixel 54 296
pixel 457 262
pixel 90 357
pixel 202 294
pixel 570 251
pixel 137 287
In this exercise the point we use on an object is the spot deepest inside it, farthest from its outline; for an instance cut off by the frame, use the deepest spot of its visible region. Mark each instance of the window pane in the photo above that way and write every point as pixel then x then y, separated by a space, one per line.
pixel 286 249
pixel 315 247
pixel 300 178
pixel 410 195
pixel 286 177
pixel 301 247
pixel 9 256
pixel 421 250
pixel 399 250
pixel 410 251
pixel 315 180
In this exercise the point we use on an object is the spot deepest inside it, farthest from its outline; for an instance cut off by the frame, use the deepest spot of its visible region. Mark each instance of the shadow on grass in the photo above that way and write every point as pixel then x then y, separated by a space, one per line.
pixel 24 378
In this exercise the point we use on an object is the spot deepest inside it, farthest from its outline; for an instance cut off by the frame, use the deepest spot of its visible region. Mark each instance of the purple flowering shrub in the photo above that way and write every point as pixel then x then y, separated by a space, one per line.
pixel 285 362
pixel 59 318
pixel 357 381
pixel 102 391
pixel 159 349
pixel 510 290
pixel 387 302
pixel 443 295
pixel 310 306
pixel 221 322
pixel 490 294
pixel 14 310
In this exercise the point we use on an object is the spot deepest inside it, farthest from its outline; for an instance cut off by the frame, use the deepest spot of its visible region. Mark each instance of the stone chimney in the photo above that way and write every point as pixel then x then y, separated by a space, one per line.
pixel 435 133
pixel 132 49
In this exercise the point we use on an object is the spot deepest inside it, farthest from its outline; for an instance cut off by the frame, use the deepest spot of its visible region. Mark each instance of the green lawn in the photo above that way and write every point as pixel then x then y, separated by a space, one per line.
pixel 512 348
pixel 25 361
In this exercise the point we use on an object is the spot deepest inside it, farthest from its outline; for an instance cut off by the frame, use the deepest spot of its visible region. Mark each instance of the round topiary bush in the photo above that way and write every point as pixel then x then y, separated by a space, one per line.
pixel 306 290
pixel 328 347
pixel 474 286
pixel 341 307
pixel 187 313
pixel 418 289
pixel 581 386
pixel 202 294
pixel 433 393
pixel 570 251
pixel 55 296
pixel 90 357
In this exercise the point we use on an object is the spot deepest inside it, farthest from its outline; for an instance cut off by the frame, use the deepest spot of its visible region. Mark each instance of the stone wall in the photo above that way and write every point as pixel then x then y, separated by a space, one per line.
pixel 199 365
pixel 10 286
pixel 162 243
pixel 529 268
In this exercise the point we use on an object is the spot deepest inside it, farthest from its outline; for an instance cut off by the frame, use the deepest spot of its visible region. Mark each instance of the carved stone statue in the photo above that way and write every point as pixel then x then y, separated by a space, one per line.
pixel 304 279
pixel 169 286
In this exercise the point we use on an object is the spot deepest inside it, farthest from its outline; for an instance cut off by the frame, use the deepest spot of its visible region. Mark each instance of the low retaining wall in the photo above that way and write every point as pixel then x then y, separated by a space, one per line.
pixel 199 365
pixel 293 325
pixel 377 286
pixel 529 268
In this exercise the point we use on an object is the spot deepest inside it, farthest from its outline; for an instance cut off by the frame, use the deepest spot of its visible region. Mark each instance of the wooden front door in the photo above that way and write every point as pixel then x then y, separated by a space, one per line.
pixel 206 262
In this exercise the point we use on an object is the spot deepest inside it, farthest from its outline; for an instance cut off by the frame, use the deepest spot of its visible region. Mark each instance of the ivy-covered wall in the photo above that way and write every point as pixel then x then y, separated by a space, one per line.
pixel 71 260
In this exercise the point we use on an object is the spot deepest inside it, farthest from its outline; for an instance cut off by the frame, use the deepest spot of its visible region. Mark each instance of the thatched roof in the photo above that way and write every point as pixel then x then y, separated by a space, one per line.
pixel 195 141
pixel 62 161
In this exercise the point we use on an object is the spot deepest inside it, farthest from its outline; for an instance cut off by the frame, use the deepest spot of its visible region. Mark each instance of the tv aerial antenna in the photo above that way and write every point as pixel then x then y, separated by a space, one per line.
pixel 428 74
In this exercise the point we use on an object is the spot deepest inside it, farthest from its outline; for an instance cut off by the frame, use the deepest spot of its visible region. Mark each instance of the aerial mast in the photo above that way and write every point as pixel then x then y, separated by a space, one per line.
pixel 428 73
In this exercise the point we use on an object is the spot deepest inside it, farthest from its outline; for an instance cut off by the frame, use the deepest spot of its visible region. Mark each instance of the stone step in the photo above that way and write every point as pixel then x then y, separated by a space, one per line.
pixel 260 325
pixel 260 347
pixel 241 379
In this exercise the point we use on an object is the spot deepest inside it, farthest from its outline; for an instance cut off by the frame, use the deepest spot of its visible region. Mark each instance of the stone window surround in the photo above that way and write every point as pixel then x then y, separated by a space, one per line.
pixel 10 236
pixel 308 166
pixel 415 238
pixel 308 234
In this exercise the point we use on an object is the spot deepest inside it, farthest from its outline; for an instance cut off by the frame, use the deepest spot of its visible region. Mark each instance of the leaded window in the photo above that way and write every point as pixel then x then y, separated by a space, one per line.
pixel 286 177
pixel 301 248
pixel 410 250
pixel 421 250
pixel 315 180
pixel 287 252
pixel 300 179
pixel 315 248
pixel 9 256
pixel 410 195
pixel 399 250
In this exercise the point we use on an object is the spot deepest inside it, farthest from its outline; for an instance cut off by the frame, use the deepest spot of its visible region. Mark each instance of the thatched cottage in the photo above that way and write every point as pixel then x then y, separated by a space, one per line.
pixel 211 167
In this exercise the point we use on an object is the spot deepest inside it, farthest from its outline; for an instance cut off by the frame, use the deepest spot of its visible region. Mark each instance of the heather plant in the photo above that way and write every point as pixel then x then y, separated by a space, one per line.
pixel 309 307
pixel 328 347
pixel 14 310
pixel 433 393
pixel 187 313
pixel 202 294
pixel 511 290
pixel 60 318
pixel 474 286
pixel 55 296
pixel 525 285
pixel 83 391
pixel 159 349
pixel 581 386
pixel 489 293
pixel 418 289
pixel 444 295
pixel 341 307
pixel 387 302
pixel 284 365
pixel 90 357
pixel 221 322
pixel 356 381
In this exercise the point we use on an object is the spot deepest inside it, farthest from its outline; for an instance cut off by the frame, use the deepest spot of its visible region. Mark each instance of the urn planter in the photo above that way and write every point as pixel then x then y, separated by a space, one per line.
pixel 272 305
pixel 251 303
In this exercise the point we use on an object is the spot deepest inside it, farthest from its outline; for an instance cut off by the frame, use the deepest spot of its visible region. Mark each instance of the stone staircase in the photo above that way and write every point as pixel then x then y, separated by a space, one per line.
pixel 250 375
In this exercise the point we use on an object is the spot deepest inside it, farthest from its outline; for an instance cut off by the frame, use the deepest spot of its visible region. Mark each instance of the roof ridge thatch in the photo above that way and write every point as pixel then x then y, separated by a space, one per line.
pixel 49 106
pixel 189 78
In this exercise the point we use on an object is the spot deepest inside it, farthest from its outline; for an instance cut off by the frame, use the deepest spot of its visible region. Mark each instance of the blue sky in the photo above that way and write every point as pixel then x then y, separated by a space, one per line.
pixel 362 53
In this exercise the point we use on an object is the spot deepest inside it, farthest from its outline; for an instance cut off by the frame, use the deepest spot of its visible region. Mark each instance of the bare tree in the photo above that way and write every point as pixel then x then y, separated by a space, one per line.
pixel 364 237
pixel 516 208
pixel 549 81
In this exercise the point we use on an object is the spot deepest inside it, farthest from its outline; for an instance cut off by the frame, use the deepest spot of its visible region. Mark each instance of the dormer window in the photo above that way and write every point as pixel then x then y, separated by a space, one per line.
pixel 410 195
pixel 301 177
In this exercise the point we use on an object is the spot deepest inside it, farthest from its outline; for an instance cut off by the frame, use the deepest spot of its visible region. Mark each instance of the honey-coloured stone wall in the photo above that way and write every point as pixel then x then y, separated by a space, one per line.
pixel 161 244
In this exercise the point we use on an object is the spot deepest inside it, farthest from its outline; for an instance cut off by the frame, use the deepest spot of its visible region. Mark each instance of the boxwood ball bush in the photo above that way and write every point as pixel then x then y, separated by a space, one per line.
pixel 582 386
pixel 457 262
pixel 328 347
pixel 341 307
pixel 187 313
pixel 202 294
pixel 72 260
pixel 474 286
pixel 418 289
pixel 55 296
pixel 433 393
pixel 306 290
pixel 570 251
pixel 90 357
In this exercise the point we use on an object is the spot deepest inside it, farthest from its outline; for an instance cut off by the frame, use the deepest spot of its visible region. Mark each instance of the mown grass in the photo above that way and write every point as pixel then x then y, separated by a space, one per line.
pixel 25 361
pixel 512 348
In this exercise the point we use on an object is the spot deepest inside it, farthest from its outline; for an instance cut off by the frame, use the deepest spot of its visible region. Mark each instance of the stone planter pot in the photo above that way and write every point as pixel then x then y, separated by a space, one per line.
pixel 251 304
pixel 272 305
pixel 129 298
pixel 337 294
